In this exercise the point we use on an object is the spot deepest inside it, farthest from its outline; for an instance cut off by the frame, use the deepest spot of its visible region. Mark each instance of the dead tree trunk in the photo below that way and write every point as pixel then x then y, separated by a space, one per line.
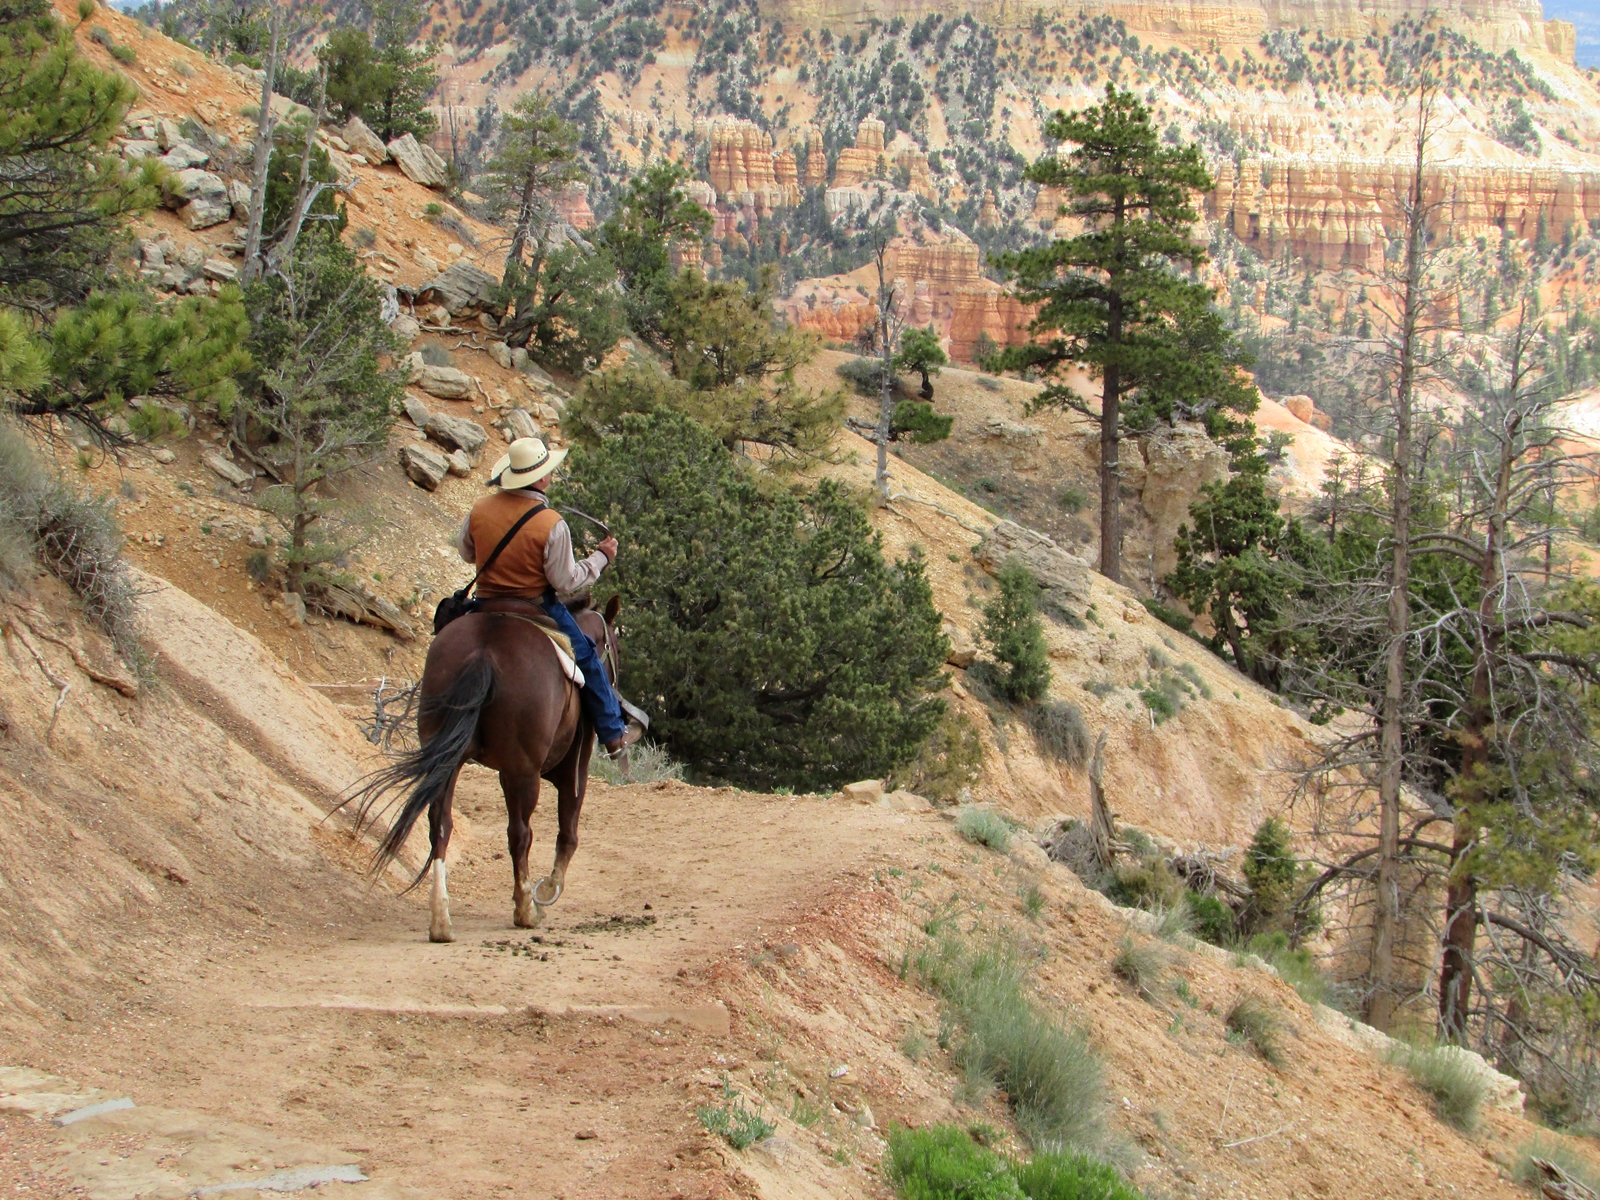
pixel 266 126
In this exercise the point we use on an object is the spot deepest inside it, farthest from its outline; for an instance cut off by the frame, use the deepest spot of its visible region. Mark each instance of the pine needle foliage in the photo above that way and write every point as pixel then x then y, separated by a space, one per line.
pixel 765 632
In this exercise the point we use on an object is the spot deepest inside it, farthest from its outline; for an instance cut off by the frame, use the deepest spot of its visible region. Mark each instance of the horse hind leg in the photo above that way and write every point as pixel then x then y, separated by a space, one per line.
pixel 571 779
pixel 522 797
pixel 440 928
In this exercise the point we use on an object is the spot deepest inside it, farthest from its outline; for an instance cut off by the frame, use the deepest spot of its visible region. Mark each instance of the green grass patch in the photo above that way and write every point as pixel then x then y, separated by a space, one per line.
pixel 1296 967
pixel 943 1162
pixel 732 1121
pixel 1141 965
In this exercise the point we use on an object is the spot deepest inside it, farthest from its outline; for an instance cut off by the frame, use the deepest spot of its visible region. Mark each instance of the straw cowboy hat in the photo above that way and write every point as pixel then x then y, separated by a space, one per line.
pixel 527 460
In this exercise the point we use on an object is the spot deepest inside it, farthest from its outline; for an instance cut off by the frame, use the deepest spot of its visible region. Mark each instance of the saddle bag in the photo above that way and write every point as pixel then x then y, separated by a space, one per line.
pixel 459 604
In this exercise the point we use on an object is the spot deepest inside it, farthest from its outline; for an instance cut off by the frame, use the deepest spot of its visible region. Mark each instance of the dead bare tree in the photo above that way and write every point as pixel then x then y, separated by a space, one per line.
pixel 889 324
pixel 261 156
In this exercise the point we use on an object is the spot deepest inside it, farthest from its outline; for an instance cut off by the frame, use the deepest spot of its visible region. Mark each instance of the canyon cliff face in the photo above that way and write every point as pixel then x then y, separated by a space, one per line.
pixel 1498 24
pixel 937 283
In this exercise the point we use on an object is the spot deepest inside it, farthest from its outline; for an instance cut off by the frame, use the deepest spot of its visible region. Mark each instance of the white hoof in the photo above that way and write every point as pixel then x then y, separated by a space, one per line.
pixel 441 933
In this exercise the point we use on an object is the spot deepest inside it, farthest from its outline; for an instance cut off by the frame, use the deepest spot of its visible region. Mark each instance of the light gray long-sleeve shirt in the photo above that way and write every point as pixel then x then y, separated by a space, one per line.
pixel 564 572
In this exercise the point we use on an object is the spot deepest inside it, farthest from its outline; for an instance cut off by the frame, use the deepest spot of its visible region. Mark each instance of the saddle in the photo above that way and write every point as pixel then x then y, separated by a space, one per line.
pixel 527 610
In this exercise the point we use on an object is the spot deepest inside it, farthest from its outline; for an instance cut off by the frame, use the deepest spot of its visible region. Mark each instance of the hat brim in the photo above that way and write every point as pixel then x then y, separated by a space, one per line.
pixel 504 477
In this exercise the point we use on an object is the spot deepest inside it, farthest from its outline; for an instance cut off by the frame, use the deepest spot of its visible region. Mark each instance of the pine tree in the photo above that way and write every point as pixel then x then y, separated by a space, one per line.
pixel 654 217
pixel 762 627
pixel 1011 627
pixel 921 352
pixel 1111 297
pixel 537 154
pixel 383 77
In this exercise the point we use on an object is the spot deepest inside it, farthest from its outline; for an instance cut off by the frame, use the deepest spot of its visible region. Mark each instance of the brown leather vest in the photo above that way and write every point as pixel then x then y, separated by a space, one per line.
pixel 519 571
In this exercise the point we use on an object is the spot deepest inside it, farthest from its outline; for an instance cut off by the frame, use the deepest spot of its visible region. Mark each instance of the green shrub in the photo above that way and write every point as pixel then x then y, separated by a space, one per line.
pixel 917 420
pixel 864 375
pixel 1168 616
pixel 1072 1177
pixel 983 828
pixel 1456 1084
pixel 1272 871
pixel 1148 883
pixel 1060 732
pixel 432 210
pixel 1100 687
pixel 951 760
pixel 1016 638
pixel 1252 1021
pixel 1213 920
pixel 1050 1074
pixel 1072 498
pixel 942 1162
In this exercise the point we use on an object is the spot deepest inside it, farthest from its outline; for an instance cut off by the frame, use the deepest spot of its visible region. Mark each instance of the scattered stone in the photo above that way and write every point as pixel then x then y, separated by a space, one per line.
pixel 292 606
pixel 518 424
pixel 162 455
pixel 232 472
pixel 257 538
pixel 438 315
pixel 239 198
pixel 460 464
pixel 1011 431
pixel 418 162
pixel 424 465
pixel 406 327
pixel 417 411
pixel 447 383
pixel 485 319
pixel 183 156
pixel 1063 577
pixel 411 366
pixel 168 132
pixel 500 352
pixel 585 1135
pixel 864 1118
pixel 867 791
pixel 461 285
pixel 963 651
pixel 457 432
pixel 193 257
pixel 364 142
pixel 220 269
pixel 538 377
pixel 519 359
pixel 426 261
pixel 152 254
pixel 904 801
pixel 133 151
pixel 202 195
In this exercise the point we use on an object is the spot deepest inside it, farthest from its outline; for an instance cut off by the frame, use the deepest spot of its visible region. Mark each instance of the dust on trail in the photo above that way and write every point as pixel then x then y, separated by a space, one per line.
pixel 565 1062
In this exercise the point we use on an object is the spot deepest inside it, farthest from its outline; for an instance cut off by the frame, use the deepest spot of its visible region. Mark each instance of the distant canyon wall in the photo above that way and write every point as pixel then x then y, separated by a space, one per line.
pixel 1498 24
pixel 1340 212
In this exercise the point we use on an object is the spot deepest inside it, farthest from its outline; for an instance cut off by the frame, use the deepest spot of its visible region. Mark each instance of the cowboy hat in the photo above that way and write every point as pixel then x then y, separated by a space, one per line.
pixel 526 461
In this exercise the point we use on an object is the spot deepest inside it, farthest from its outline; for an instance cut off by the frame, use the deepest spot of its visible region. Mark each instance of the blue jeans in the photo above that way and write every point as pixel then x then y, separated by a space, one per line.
pixel 598 697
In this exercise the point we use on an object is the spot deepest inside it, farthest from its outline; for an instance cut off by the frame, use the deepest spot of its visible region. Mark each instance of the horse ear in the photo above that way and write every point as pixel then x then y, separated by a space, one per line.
pixel 613 606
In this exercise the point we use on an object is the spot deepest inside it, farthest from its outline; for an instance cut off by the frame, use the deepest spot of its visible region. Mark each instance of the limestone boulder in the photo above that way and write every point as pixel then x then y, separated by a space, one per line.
pixel 230 471
pixel 138 148
pixel 419 163
pixel 457 433
pixel 220 269
pixel 963 651
pixel 501 353
pixel 239 198
pixel 447 383
pixel 460 286
pixel 1178 461
pixel 424 465
pixel 182 156
pixel 518 424
pixel 361 140
pixel 460 464
pixel 406 327
pixel 865 791
pixel 1063 577
pixel 201 196
pixel 417 411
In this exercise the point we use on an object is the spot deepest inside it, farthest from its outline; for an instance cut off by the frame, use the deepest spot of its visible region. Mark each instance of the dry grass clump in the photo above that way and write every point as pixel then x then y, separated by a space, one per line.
pixel 1140 965
pixel 1252 1022
pixel 647 763
pixel 1456 1083
pixel 1059 730
pixel 984 828
pixel 74 536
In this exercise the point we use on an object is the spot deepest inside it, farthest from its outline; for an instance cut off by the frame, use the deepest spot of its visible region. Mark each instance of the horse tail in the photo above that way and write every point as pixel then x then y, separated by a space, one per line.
pixel 428 770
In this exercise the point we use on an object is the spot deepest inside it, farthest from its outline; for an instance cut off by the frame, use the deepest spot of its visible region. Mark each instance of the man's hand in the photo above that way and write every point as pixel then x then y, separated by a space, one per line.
pixel 609 549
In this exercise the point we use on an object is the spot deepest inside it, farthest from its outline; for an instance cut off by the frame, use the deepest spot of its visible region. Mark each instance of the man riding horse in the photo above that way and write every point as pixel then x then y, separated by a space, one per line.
pixel 496 690
pixel 539 566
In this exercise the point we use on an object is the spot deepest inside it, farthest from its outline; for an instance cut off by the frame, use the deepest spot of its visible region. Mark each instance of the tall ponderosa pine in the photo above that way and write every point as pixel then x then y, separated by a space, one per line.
pixel 537 154
pixel 762 627
pixel 383 77
pixel 1111 298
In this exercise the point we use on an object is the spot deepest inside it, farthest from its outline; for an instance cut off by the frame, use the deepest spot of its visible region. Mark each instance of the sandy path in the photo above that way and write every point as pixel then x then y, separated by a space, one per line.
pixel 497 1065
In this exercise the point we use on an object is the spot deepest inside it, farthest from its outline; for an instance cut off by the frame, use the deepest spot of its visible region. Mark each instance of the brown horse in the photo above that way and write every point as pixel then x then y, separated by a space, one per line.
pixel 493 692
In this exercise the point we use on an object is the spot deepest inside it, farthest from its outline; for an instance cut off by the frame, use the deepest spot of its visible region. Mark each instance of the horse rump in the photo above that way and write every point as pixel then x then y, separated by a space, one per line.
pixel 427 770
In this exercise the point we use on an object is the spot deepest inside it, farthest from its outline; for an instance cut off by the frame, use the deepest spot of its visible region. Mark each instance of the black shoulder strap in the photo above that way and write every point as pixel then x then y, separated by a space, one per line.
pixel 506 541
